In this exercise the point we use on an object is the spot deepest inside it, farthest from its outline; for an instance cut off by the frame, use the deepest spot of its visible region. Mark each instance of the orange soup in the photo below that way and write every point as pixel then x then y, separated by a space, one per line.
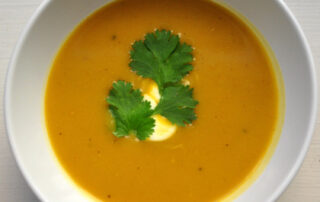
pixel 233 79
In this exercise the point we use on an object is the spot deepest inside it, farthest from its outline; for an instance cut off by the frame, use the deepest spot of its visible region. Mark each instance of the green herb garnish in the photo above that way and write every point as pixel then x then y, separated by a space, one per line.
pixel 132 114
pixel 162 58
pixel 177 105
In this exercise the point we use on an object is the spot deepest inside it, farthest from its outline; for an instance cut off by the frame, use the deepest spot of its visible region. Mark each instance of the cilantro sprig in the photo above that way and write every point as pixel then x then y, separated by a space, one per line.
pixel 177 105
pixel 162 58
pixel 132 114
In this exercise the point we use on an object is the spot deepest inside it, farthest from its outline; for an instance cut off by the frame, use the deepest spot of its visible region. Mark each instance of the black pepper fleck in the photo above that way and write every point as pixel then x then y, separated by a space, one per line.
pixel 114 37
pixel 115 139
pixel 200 169
pixel 227 145
pixel 60 133
pixel 109 196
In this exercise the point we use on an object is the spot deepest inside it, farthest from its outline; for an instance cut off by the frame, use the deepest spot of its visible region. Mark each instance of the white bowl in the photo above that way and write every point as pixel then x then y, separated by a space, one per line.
pixel 55 19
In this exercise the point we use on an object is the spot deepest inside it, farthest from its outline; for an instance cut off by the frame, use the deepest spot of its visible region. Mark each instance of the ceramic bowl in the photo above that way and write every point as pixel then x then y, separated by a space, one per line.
pixel 55 19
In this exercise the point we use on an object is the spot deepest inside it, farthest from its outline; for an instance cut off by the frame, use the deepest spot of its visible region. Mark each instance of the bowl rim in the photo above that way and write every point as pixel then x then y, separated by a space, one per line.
pixel 314 100
pixel 7 88
pixel 282 186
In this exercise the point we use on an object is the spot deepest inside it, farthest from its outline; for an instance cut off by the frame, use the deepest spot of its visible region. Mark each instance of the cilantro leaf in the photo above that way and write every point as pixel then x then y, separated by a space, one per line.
pixel 162 58
pixel 132 114
pixel 177 105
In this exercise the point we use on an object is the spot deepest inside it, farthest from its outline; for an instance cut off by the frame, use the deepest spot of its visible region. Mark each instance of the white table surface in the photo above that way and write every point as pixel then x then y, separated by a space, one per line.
pixel 15 13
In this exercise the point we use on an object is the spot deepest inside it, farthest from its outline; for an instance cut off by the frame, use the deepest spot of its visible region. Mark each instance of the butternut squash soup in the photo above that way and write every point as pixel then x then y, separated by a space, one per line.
pixel 220 103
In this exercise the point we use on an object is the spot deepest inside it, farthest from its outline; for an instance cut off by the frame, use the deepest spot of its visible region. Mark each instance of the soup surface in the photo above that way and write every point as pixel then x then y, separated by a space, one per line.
pixel 233 80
